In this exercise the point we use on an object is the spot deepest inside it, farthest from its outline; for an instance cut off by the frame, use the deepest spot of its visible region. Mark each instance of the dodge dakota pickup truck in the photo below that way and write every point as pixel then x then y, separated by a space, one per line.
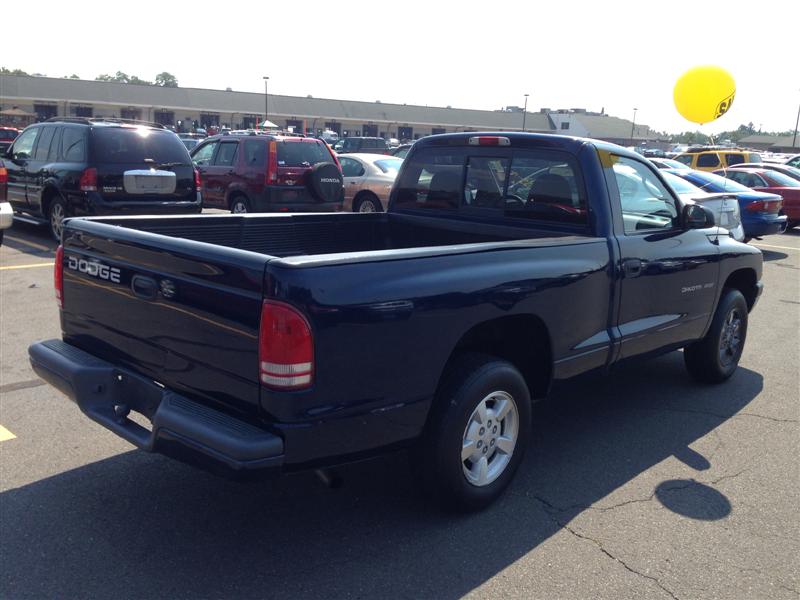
pixel 272 343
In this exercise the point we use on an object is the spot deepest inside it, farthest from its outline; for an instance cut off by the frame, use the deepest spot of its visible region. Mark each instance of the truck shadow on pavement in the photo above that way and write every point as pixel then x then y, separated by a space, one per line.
pixel 142 526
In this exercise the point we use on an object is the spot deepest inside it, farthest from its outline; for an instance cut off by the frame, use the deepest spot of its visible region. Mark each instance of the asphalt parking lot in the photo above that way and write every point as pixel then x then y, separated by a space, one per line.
pixel 642 484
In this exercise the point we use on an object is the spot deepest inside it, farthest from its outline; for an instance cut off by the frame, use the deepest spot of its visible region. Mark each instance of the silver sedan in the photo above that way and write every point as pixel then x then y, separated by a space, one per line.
pixel 368 179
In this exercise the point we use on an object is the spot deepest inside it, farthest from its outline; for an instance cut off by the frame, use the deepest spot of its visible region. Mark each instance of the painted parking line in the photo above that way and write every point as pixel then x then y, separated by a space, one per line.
pixel 27 243
pixel 5 434
pixel 778 247
pixel 31 266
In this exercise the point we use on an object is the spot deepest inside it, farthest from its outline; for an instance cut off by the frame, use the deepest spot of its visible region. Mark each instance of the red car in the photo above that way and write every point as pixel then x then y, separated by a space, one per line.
pixel 7 135
pixel 268 173
pixel 767 180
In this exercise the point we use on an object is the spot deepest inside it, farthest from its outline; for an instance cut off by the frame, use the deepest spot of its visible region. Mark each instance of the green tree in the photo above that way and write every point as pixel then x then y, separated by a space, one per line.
pixel 165 79
pixel 4 71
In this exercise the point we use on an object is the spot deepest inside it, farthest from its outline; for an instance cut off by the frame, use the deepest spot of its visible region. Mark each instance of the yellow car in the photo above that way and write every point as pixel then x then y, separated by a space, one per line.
pixel 711 159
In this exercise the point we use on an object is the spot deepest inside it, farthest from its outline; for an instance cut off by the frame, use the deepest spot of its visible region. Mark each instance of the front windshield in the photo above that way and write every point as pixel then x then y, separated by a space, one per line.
pixel 711 182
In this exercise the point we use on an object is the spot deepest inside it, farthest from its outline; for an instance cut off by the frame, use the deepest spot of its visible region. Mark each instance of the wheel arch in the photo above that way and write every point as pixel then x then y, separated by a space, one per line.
pixel 49 192
pixel 523 340
pixel 745 281
pixel 233 194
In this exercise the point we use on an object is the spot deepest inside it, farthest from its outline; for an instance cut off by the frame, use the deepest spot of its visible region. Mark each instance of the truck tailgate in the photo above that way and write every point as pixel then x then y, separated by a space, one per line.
pixel 181 312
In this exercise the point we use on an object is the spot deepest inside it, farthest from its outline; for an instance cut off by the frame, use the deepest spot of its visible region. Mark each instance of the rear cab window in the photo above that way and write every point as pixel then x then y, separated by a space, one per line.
pixel 121 145
pixel 514 183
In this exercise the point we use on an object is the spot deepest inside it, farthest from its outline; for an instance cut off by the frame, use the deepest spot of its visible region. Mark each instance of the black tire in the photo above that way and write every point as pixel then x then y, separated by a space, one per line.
pixel 240 205
pixel 715 358
pixel 437 458
pixel 56 213
pixel 325 182
pixel 365 201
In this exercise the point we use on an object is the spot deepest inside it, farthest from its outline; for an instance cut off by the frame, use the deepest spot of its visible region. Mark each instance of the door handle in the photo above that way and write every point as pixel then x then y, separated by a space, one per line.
pixel 632 267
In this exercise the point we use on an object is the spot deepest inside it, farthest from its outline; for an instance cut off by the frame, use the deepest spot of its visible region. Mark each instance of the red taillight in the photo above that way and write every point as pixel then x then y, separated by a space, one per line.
pixel 88 182
pixel 767 206
pixel 489 140
pixel 3 175
pixel 285 348
pixel 334 157
pixel 58 276
pixel 197 182
pixel 272 164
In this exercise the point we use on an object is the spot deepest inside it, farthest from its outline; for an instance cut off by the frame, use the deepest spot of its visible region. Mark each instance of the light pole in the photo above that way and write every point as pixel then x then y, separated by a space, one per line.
pixel 633 124
pixel 524 112
pixel 796 122
pixel 266 100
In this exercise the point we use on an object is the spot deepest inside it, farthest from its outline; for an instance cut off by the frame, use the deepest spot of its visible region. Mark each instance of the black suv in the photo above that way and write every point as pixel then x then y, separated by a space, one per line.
pixel 370 145
pixel 279 172
pixel 75 166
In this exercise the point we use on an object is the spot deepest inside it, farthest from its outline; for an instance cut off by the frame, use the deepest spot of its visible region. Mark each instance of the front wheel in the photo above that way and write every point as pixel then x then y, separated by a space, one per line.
pixel 714 358
pixel 476 435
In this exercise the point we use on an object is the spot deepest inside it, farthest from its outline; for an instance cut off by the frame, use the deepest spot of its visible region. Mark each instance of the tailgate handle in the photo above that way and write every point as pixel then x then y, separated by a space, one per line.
pixel 144 287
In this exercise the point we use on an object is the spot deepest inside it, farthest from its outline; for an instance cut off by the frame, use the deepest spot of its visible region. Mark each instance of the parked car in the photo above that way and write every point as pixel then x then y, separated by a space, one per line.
pixel 6 212
pixel 368 179
pixel 770 181
pixel 787 170
pixel 68 166
pixel 793 161
pixel 268 173
pixel 371 145
pixel 7 136
pixel 289 342
pixel 190 143
pixel 760 211
pixel 705 158
pixel 667 163
pixel 725 207
pixel 401 151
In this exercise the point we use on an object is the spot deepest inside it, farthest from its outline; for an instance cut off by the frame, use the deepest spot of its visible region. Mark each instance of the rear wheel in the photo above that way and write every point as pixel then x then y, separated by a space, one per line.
pixel 56 213
pixel 714 358
pixel 476 434
pixel 240 205
pixel 367 203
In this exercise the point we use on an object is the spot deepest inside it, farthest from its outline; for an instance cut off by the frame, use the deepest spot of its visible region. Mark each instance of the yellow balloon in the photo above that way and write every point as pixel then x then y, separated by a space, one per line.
pixel 704 93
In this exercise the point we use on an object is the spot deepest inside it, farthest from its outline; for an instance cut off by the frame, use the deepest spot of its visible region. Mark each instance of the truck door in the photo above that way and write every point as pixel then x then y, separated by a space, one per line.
pixel 36 171
pixel 668 274
pixel 16 165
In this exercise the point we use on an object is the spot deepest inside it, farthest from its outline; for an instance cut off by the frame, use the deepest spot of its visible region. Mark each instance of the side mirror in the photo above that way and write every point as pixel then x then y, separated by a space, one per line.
pixel 696 216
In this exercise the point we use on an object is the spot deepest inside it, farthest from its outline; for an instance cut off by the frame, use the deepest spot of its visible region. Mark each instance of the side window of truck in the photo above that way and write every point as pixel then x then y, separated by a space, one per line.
pixel 646 203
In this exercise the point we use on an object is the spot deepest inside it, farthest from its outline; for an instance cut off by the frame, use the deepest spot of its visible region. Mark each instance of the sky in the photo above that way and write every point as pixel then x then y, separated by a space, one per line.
pixel 614 55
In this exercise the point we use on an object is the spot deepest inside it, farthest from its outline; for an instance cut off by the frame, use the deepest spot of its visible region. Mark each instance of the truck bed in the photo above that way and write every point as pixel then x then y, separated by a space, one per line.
pixel 319 234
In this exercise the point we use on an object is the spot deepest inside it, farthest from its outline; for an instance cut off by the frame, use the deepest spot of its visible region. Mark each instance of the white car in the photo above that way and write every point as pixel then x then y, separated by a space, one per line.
pixel 725 207
pixel 6 218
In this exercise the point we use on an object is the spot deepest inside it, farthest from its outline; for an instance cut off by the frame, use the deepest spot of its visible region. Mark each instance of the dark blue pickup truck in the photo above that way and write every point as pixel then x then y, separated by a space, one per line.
pixel 281 342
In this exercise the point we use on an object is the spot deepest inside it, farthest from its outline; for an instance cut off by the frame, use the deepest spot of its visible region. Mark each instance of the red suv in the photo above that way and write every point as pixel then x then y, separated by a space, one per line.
pixel 268 173
pixel 7 136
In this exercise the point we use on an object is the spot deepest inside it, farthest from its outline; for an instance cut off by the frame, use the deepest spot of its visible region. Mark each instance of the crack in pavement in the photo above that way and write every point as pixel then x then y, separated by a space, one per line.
pixel 719 416
pixel 599 544
pixel 675 488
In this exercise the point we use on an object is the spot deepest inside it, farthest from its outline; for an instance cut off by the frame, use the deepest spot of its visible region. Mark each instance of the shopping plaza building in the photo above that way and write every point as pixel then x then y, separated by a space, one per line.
pixel 25 99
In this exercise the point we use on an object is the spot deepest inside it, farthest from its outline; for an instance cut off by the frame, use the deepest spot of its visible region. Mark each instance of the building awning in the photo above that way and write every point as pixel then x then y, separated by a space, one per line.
pixel 16 112
pixel 268 125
